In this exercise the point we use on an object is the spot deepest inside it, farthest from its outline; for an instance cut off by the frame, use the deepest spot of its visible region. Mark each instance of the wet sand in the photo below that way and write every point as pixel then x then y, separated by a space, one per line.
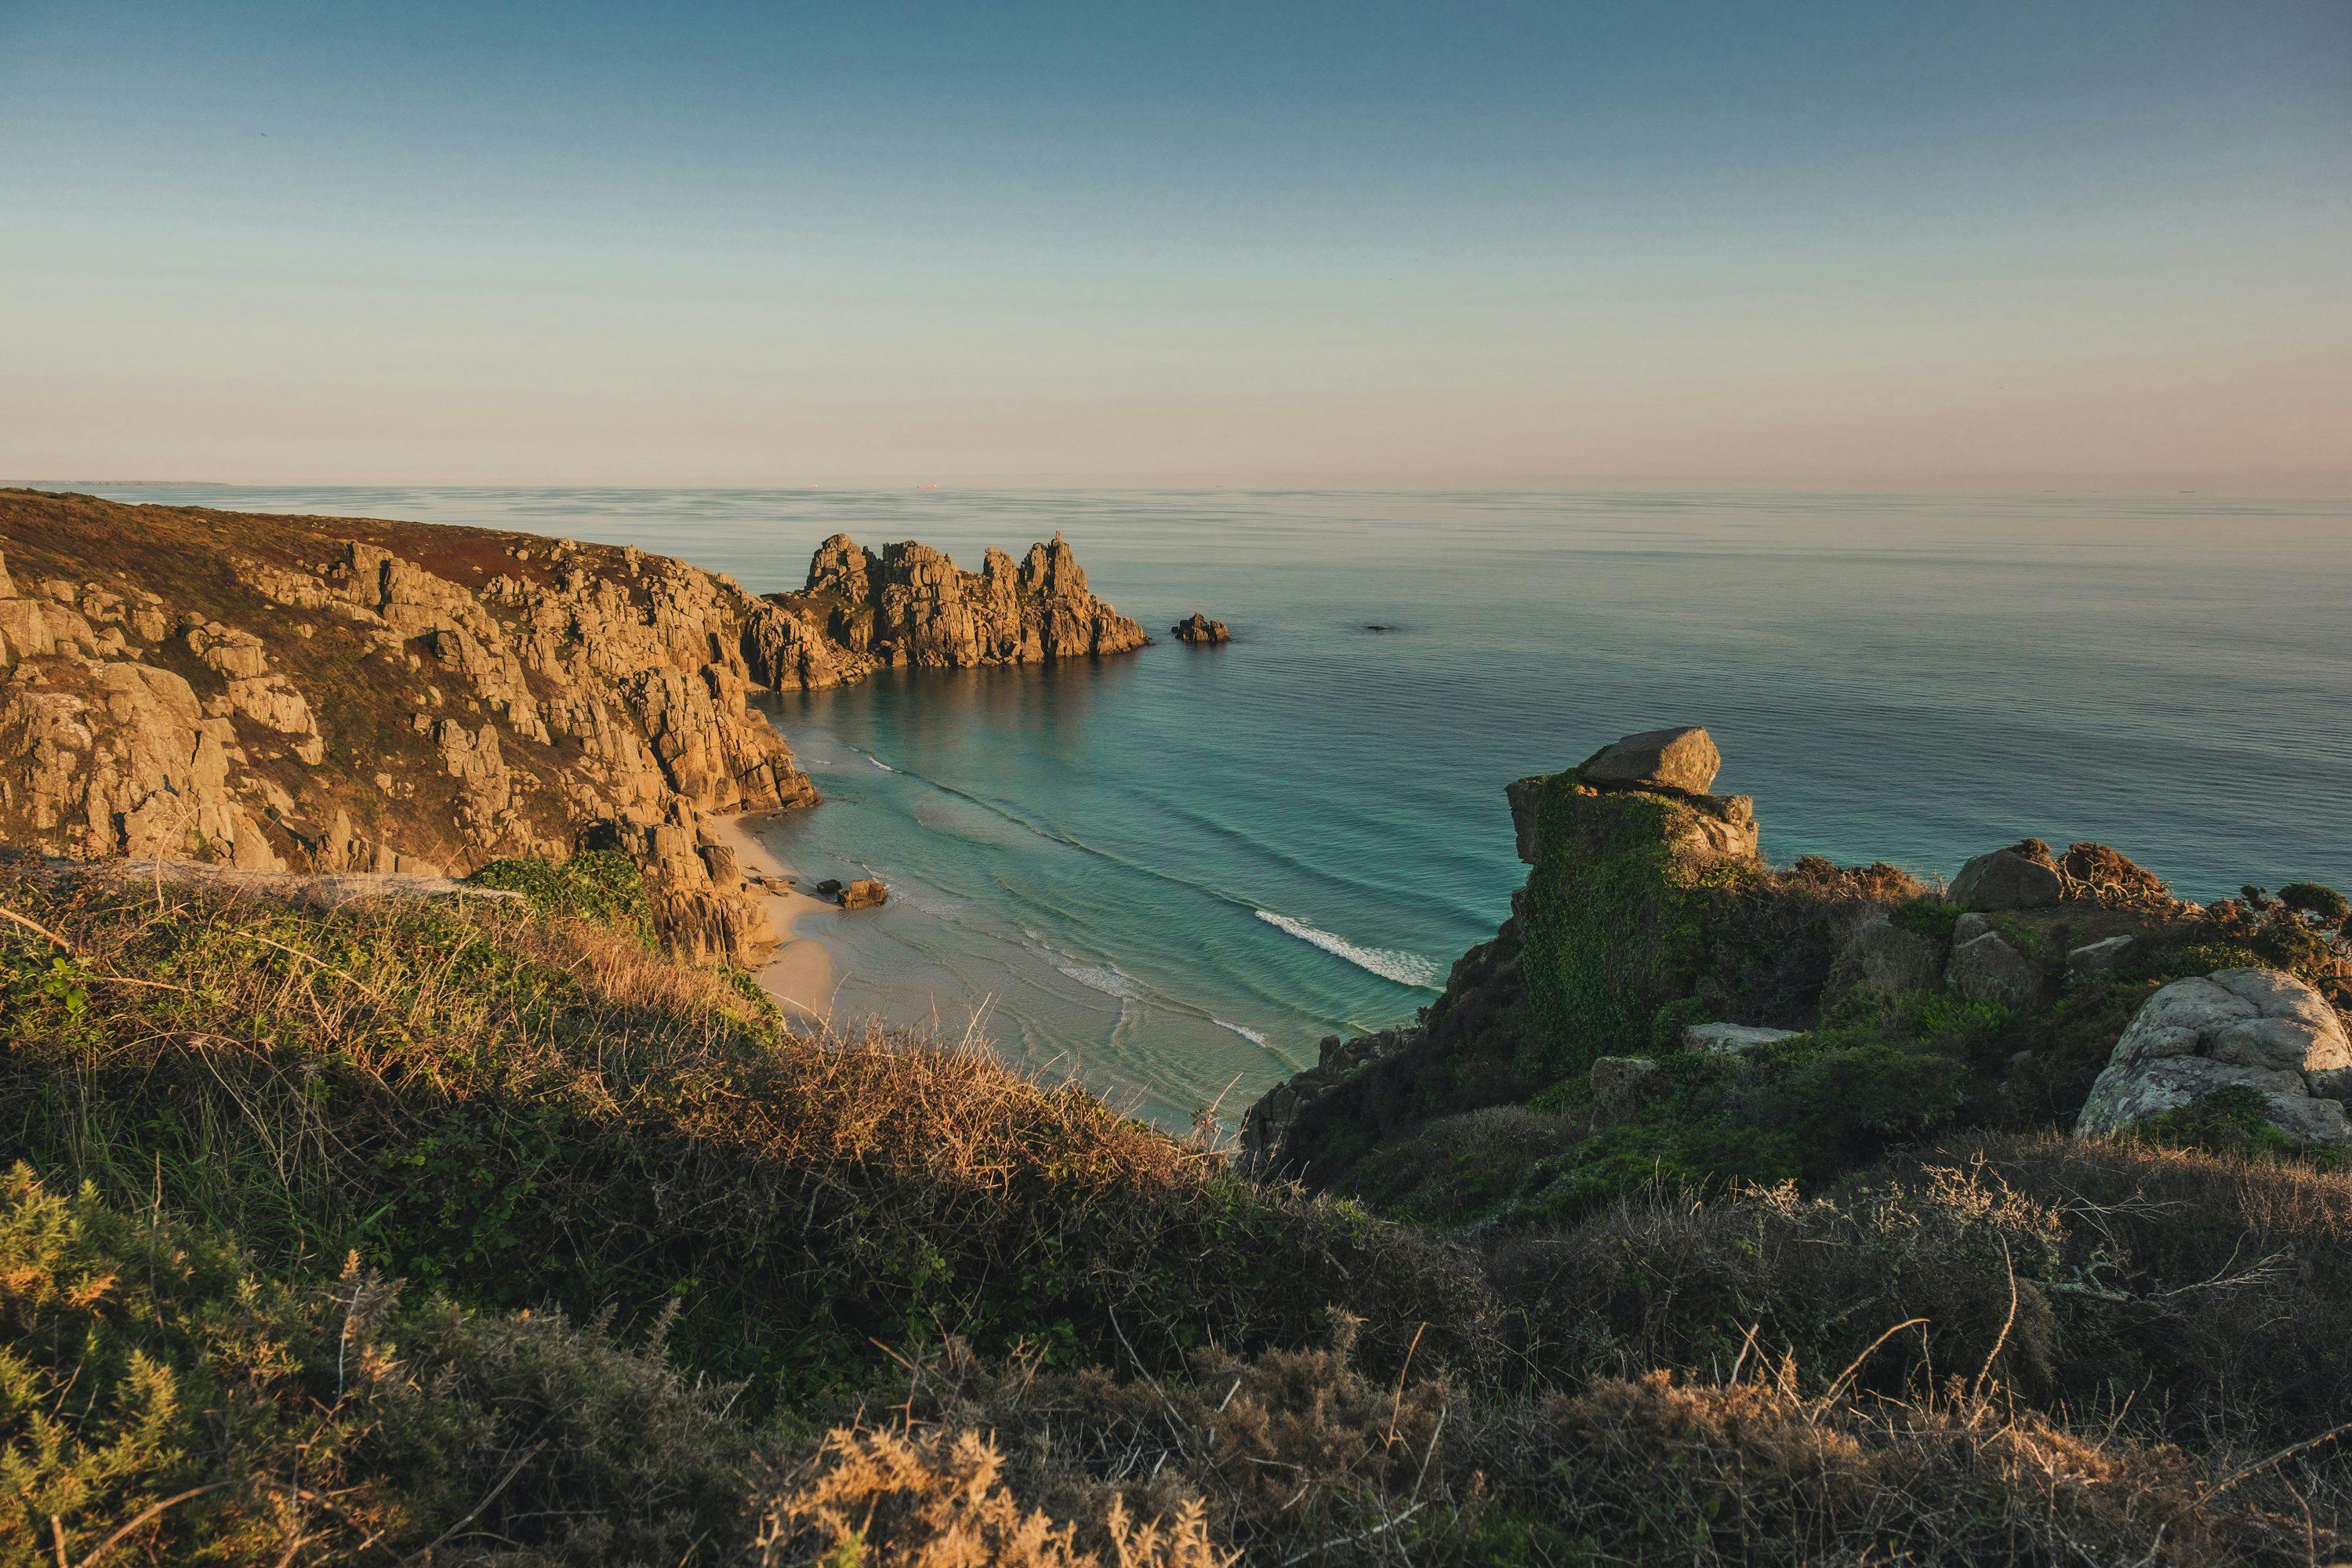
pixel 799 974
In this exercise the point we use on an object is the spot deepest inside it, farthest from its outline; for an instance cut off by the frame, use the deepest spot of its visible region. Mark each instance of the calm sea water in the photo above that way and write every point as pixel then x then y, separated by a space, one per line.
pixel 1173 872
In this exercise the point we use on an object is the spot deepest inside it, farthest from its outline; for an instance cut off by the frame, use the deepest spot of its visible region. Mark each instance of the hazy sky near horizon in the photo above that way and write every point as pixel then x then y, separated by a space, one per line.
pixel 1326 244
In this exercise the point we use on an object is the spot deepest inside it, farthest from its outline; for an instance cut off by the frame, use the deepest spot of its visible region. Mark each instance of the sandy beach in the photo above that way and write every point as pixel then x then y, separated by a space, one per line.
pixel 799 974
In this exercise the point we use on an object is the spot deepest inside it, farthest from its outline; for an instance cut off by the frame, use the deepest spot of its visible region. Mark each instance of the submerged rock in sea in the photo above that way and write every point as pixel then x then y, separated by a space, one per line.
pixel 1199 628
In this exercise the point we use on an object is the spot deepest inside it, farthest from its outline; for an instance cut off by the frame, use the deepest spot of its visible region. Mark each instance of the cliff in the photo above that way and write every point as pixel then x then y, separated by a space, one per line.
pixel 1664 1003
pixel 912 604
pixel 338 695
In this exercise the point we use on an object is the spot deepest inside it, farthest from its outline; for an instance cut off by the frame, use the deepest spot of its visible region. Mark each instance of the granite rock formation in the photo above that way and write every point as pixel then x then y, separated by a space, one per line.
pixel 331 695
pixel 910 604
pixel 1684 759
pixel 1198 629
pixel 1660 986
pixel 2237 1029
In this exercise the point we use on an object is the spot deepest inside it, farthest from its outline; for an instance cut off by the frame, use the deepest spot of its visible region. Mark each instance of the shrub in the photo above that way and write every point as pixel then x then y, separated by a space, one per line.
pixel 2227 1121
pixel 921 1495
pixel 160 1396
pixel 2322 906
pixel 603 887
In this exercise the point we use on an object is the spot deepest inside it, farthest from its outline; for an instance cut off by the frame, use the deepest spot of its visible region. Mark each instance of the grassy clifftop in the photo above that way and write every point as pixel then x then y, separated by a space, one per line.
pixel 487 1232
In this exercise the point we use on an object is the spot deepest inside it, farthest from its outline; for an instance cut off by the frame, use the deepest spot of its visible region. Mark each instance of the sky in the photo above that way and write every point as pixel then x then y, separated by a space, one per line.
pixel 2103 241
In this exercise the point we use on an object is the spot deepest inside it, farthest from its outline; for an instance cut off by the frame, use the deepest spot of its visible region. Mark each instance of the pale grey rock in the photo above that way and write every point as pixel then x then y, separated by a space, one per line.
pixel 2123 1095
pixel 2256 1028
pixel 1883 959
pixel 2100 957
pixel 1730 1039
pixel 1622 1087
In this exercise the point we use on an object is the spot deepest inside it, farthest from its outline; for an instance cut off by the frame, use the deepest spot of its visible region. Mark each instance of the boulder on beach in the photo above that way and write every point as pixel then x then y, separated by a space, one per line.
pixel 865 893
pixel 1681 759
pixel 1197 627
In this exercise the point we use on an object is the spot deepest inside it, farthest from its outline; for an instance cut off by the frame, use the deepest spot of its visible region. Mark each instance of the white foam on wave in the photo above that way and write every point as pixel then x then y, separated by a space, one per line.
pixel 1107 981
pixel 878 762
pixel 1388 962
pixel 1252 1036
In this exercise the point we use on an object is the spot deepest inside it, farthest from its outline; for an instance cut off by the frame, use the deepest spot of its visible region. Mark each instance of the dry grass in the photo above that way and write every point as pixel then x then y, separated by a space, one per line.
pixel 1102 1345
pixel 1299 1457
pixel 921 1497
pixel 519 1110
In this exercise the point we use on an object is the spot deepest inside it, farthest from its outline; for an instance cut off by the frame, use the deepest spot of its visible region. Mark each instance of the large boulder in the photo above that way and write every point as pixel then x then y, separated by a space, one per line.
pixel 2249 1028
pixel 1199 628
pixel 1681 759
pixel 1624 1087
pixel 2007 879
pixel 1988 968
pixel 1885 960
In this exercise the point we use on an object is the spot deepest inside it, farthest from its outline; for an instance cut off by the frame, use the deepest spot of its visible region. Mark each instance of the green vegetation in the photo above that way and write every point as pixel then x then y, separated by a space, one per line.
pixel 2229 1122
pixel 487 1232
pixel 1615 923
pixel 603 887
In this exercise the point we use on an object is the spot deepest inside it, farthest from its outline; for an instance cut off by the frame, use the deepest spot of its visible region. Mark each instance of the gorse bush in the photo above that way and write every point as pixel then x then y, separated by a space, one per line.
pixel 160 1400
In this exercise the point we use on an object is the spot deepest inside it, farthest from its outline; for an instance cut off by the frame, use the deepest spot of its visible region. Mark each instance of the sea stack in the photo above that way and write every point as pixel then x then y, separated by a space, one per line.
pixel 1199 628
pixel 910 604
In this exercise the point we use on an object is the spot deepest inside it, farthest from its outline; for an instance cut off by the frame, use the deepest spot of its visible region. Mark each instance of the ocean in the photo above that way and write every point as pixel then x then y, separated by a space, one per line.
pixel 1172 872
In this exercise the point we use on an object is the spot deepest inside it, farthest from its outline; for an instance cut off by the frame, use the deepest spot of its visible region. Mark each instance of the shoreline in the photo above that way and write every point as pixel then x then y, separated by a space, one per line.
pixel 799 974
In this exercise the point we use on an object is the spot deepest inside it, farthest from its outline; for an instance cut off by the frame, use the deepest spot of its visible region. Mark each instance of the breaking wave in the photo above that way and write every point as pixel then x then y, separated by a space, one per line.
pixel 1404 968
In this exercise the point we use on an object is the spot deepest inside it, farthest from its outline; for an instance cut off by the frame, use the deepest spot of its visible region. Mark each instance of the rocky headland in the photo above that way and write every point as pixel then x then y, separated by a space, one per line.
pixel 1663 1000
pixel 335 695
pixel 910 604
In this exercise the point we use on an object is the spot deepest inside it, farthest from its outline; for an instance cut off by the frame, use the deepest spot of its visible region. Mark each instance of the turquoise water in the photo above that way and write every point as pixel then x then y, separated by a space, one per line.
pixel 1173 872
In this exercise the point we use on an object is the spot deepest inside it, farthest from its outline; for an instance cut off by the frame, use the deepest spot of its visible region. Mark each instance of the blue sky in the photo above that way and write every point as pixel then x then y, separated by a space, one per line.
pixel 1302 244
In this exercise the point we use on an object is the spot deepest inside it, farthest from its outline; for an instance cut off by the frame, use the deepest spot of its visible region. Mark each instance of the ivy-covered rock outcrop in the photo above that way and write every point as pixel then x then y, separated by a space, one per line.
pixel 1664 1002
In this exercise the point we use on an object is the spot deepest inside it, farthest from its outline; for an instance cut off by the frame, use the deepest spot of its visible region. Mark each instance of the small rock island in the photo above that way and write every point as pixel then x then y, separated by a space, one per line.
pixel 1197 628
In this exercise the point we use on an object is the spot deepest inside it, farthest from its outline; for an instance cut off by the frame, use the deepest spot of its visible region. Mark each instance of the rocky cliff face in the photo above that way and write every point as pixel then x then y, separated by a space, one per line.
pixel 910 604
pixel 1664 1002
pixel 337 695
